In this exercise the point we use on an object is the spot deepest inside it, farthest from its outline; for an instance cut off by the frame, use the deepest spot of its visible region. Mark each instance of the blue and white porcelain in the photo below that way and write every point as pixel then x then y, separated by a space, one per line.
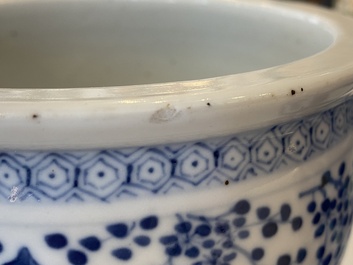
pixel 155 132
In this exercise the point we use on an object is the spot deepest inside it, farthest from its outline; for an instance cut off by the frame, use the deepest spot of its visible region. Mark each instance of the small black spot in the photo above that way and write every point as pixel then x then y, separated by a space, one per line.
pixel 302 89
pixel 226 182
pixel 35 116
pixel 209 104
pixel 292 92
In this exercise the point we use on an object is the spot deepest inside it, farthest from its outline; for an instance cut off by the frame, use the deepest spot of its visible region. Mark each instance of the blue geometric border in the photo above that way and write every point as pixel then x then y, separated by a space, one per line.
pixel 109 175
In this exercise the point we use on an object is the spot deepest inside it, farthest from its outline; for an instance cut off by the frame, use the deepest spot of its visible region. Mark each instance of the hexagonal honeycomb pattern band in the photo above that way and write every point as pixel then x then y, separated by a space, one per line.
pixel 109 175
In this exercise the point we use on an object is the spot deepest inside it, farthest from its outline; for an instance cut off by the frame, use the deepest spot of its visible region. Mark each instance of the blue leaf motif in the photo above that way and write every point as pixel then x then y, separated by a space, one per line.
pixel 77 257
pixel 149 223
pixel 285 212
pixel 203 230
pixel 56 241
pixel 166 240
pixel 91 243
pixel 174 250
pixel 183 227
pixel 320 230
pixel 142 241
pixel 229 257
pixel 119 230
pixel 23 258
pixel 192 252
pixel 122 253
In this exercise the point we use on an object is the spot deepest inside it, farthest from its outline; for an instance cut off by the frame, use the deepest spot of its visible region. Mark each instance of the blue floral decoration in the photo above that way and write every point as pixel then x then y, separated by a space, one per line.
pixel 23 258
pixel 218 239
pixel 331 213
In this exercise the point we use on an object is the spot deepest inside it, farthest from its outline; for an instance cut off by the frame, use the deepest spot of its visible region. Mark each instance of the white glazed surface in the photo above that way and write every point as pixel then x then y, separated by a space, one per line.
pixel 348 256
pixel 178 111
pixel 261 157
pixel 123 43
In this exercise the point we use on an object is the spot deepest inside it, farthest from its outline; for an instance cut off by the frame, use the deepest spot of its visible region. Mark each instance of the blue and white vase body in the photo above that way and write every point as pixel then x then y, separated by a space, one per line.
pixel 280 196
